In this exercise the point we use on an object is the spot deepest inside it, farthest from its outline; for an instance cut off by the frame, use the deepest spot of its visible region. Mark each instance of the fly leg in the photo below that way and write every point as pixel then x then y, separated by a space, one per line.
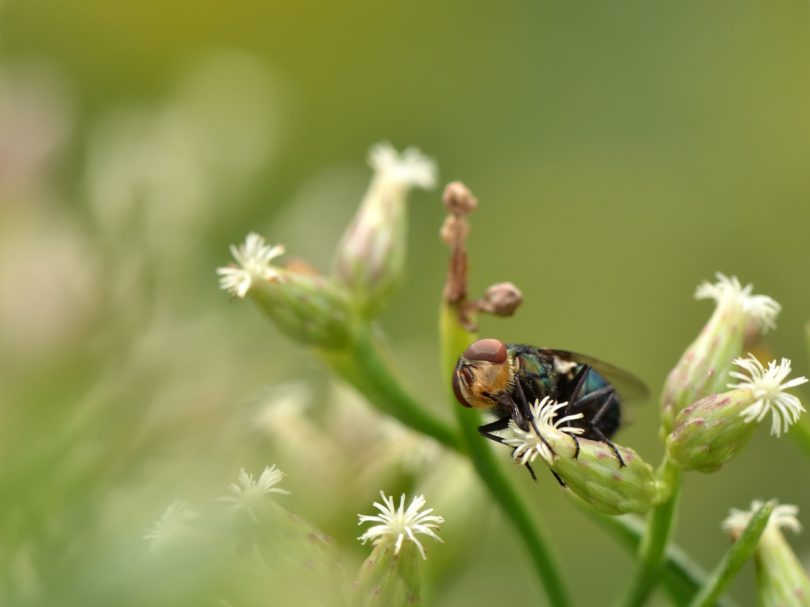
pixel 573 400
pixel 610 393
pixel 501 424
pixel 595 420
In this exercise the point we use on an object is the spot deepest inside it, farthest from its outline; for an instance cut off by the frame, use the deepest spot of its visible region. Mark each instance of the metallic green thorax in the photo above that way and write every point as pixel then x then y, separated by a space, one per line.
pixel 543 372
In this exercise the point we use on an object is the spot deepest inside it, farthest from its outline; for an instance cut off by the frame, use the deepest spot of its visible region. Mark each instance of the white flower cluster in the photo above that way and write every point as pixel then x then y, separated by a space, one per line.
pixel 529 444
pixel 401 522
pixel 769 392
pixel 728 291
pixel 248 494
pixel 253 259
pixel 411 168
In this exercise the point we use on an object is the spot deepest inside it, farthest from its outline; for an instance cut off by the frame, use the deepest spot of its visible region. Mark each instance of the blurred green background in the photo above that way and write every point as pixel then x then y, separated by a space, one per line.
pixel 622 153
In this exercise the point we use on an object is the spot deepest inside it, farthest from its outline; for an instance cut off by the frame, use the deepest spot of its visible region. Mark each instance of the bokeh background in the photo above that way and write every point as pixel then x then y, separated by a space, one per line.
pixel 622 153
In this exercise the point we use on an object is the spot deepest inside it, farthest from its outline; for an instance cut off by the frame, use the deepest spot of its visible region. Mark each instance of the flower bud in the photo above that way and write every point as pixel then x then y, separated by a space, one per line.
pixel 501 299
pixel 305 306
pixel 704 367
pixel 370 258
pixel 388 578
pixel 715 429
pixel 780 579
pixel 458 199
pixel 589 468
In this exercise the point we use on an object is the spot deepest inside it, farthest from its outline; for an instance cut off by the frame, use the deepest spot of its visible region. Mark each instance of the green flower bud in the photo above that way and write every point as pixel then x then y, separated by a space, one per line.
pixel 305 306
pixel 781 581
pixel 285 556
pixel 390 576
pixel 715 429
pixel 370 258
pixel 594 473
pixel 704 367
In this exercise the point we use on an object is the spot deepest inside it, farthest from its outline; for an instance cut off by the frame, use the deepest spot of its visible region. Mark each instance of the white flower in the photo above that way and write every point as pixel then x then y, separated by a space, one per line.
pixel 728 291
pixel 249 494
pixel 783 517
pixel 528 444
pixel 411 168
pixel 174 523
pixel 400 523
pixel 253 257
pixel 769 392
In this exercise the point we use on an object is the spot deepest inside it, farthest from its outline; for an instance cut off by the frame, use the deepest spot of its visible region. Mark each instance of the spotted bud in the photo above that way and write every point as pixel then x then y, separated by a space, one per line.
pixel 370 259
pixel 308 308
pixel 388 578
pixel 304 305
pixel 712 431
pixel 613 482
pixel 705 365
pixel 597 476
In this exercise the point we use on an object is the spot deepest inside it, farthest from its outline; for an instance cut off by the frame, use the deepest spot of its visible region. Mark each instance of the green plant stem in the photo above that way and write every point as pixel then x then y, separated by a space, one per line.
pixel 364 368
pixel 454 339
pixel 800 434
pixel 654 543
pixel 682 577
pixel 735 558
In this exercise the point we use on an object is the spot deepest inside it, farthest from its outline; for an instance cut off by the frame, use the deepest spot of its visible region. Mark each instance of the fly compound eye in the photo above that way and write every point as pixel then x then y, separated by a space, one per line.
pixel 489 350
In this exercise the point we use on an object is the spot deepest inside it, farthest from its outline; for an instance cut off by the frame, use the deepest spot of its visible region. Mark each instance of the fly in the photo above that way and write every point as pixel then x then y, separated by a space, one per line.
pixel 506 378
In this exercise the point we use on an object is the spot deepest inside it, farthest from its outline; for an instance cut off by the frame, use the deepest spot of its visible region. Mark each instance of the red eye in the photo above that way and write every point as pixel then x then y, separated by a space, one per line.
pixel 490 350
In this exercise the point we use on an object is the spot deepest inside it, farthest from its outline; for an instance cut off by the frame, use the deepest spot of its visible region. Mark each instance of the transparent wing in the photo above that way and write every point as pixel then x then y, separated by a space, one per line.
pixel 630 388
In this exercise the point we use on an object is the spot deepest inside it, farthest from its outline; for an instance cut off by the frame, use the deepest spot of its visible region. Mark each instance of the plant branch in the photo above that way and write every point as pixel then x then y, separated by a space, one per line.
pixel 654 542
pixel 735 558
pixel 682 577
pixel 800 433
pixel 454 339
pixel 364 368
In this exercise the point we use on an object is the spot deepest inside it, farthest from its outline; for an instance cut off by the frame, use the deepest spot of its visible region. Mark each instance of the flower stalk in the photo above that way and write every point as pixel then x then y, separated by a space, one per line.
pixel 457 322
pixel 780 578
pixel 454 339
pixel 364 367
pixel 735 558
pixel 660 525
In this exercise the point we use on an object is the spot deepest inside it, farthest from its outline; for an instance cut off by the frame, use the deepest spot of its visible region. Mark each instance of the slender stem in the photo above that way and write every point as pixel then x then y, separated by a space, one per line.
pixel 735 558
pixel 364 368
pixel 682 577
pixel 653 546
pixel 800 433
pixel 454 339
